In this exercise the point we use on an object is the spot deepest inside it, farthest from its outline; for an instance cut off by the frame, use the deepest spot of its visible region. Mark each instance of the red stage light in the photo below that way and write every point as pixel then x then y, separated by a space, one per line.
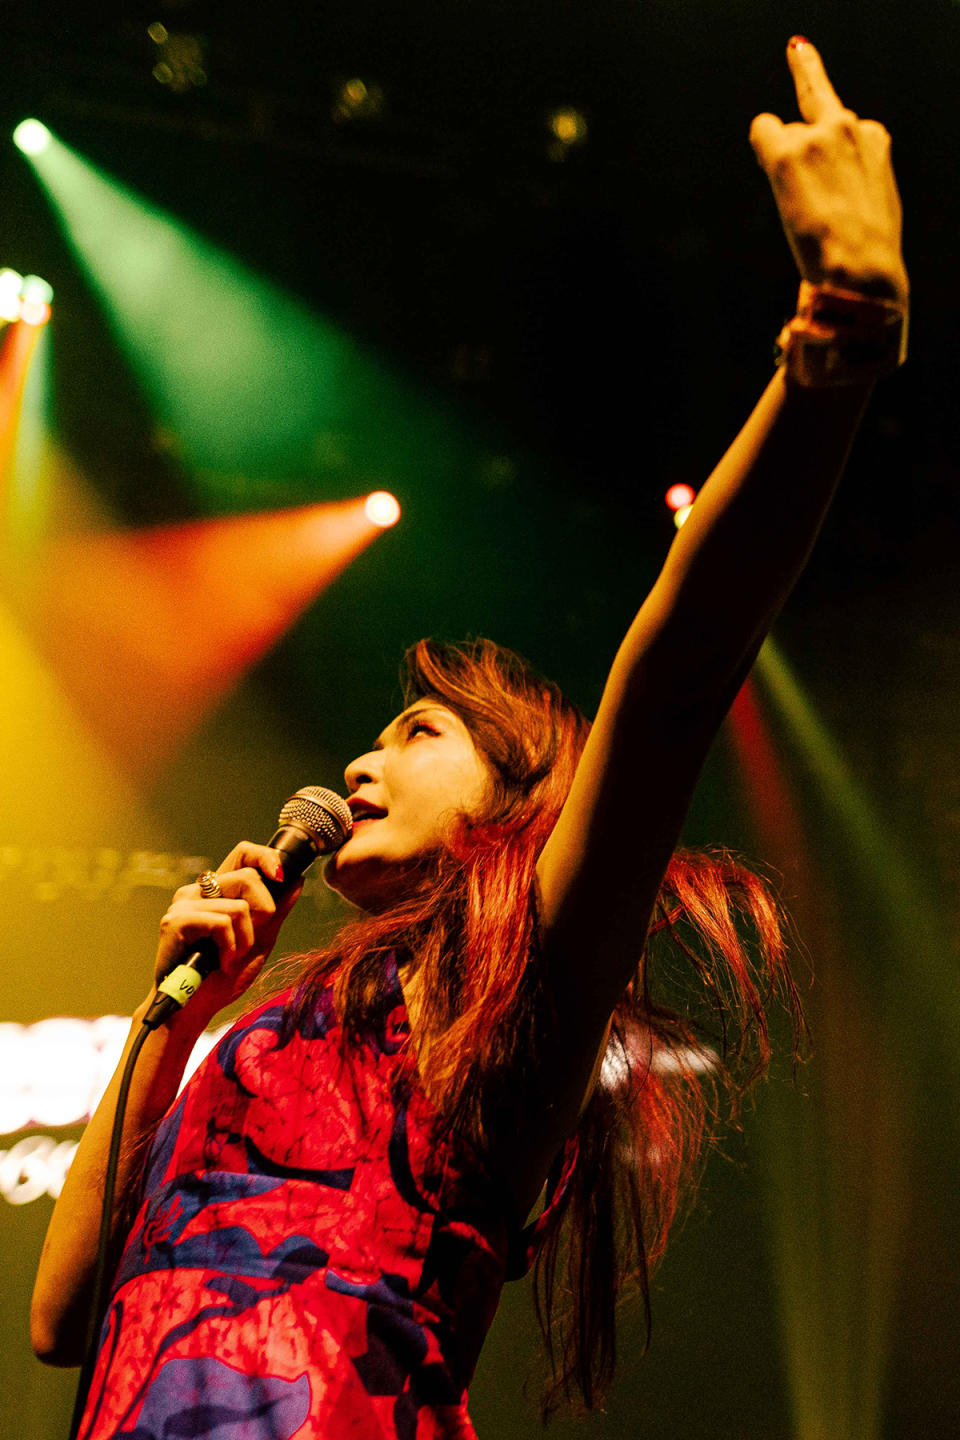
pixel 16 348
pixel 679 496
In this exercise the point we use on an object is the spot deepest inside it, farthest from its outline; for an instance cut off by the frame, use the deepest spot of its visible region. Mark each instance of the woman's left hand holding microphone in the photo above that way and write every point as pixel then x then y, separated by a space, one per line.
pixel 243 921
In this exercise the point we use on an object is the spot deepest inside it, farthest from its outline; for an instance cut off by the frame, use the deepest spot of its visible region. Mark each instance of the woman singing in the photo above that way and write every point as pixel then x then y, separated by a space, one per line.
pixel 312 1240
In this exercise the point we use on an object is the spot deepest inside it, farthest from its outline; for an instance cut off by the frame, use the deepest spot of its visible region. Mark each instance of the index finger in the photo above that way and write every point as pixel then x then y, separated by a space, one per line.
pixel 816 97
pixel 247 883
pixel 257 857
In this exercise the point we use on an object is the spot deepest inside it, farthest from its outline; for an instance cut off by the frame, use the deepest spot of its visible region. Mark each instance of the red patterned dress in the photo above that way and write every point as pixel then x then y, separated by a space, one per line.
pixel 308 1262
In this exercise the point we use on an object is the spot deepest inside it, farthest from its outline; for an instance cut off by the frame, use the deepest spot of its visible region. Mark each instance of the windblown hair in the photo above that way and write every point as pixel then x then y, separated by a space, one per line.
pixel 471 926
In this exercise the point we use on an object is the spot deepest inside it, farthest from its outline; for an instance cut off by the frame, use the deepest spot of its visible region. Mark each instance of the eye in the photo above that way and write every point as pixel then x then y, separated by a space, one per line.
pixel 419 725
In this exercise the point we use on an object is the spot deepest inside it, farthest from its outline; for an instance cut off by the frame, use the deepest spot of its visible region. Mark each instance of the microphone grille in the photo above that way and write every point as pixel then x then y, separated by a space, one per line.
pixel 323 814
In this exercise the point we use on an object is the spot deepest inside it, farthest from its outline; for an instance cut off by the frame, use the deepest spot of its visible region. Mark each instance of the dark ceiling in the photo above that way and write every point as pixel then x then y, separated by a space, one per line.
pixel 614 310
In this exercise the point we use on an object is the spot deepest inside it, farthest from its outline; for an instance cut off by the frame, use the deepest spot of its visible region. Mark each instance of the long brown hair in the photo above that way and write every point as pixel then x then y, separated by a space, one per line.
pixel 471 927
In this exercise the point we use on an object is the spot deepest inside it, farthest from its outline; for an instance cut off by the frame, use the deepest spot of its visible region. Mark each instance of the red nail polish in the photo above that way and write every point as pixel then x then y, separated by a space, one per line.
pixel 797 41
pixel 280 873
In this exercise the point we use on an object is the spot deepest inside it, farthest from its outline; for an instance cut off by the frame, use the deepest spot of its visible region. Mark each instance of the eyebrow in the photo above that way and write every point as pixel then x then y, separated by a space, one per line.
pixel 417 709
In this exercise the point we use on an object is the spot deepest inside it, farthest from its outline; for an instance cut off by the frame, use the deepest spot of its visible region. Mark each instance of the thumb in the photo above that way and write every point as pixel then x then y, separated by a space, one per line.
pixel 765 133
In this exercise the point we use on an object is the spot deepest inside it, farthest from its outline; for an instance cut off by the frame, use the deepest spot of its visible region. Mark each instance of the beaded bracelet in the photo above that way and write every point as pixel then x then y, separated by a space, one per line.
pixel 839 337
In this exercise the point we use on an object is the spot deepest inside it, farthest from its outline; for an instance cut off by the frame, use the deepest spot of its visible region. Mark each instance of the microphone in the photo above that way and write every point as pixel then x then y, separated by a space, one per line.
pixel 312 822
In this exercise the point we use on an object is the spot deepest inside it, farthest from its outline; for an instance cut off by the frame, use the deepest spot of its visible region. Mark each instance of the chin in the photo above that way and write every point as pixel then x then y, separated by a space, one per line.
pixel 367 891
pixel 374 887
pixel 338 880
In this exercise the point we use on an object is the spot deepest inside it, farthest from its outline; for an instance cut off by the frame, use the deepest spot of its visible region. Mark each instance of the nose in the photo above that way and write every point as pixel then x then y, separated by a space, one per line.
pixel 362 771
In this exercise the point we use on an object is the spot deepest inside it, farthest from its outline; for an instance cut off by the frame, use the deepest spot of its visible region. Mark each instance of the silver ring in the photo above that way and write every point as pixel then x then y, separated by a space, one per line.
pixel 209 885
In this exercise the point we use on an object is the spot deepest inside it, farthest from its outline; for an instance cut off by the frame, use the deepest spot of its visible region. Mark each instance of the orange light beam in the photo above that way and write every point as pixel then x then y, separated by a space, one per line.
pixel 149 630
pixel 16 348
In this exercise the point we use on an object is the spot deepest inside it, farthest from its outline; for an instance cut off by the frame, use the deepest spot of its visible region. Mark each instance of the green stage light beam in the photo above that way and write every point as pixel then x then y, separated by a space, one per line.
pixel 861 821
pixel 899 893
pixel 243 375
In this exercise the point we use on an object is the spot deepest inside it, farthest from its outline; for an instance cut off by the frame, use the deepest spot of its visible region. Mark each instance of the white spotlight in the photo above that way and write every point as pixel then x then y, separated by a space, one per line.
pixel 382 509
pixel 31 136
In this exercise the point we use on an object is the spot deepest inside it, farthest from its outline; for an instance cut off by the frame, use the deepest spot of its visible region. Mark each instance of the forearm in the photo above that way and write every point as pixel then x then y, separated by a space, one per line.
pixel 729 570
pixel 744 544
pixel 58 1314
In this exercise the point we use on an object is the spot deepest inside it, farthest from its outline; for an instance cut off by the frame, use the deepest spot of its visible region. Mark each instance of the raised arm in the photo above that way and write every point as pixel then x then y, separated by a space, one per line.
pixel 725 578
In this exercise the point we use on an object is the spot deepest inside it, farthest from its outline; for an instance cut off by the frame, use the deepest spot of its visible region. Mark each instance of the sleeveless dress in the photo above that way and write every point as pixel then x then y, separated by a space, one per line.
pixel 308 1262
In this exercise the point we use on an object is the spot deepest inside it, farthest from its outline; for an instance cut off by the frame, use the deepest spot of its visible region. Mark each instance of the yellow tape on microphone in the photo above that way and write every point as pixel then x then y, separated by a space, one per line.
pixel 181 984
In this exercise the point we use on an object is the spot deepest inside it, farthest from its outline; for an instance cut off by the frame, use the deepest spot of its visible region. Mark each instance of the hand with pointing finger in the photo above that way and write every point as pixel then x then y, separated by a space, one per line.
pixel 834 186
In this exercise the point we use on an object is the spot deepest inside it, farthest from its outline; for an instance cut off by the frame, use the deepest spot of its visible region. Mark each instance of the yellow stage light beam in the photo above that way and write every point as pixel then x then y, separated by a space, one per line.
pixel 56 772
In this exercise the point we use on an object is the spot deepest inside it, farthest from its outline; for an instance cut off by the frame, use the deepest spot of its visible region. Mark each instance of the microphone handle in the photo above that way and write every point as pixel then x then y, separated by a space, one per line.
pixel 299 849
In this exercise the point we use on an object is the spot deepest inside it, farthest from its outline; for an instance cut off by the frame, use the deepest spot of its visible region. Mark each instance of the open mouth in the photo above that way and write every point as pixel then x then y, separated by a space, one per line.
pixel 362 812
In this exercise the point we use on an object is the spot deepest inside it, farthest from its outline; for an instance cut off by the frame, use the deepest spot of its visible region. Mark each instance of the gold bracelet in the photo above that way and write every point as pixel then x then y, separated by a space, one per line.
pixel 840 337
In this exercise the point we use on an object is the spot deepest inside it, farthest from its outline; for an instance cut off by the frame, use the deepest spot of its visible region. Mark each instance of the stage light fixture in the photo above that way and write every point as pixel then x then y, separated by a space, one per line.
pixel 382 509
pixel 24 297
pixel 358 99
pixel 32 137
pixel 568 126
pixel 35 298
pixel 679 497
pixel 34 312
pixel 11 284
pixel 35 290
pixel 182 58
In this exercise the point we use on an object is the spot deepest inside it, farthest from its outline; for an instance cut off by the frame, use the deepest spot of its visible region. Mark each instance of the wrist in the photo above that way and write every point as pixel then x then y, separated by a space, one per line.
pixel 840 338
pixel 877 280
